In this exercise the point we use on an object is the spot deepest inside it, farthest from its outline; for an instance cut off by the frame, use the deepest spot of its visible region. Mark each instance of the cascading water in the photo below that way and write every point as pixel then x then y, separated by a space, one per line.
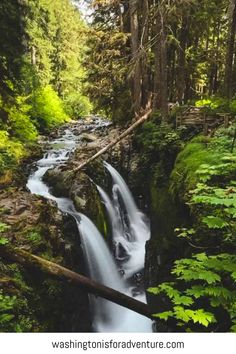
pixel 130 232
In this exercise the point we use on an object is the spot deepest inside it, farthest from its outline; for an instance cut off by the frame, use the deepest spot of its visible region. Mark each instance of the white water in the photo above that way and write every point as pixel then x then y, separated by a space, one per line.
pixel 133 226
pixel 108 317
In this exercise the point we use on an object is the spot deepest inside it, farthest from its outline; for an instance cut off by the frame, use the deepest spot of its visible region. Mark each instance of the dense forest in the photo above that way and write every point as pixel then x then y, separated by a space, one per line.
pixel 65 64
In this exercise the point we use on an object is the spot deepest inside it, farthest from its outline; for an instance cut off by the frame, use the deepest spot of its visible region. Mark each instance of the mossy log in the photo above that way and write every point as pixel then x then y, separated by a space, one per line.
pixel 139 121
pixel 29 260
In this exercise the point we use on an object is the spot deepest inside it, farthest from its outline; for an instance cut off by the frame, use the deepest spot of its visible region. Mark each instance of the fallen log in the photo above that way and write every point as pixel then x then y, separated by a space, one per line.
pixel 140 121
pixel 29 260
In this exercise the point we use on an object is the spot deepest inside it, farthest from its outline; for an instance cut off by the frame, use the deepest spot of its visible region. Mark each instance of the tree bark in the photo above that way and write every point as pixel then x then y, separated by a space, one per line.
pixel 181 72
pixel 230 50
pixel 136 70
pixel 160 76
pixel 29 260
pixel 140 121
pixel 144 61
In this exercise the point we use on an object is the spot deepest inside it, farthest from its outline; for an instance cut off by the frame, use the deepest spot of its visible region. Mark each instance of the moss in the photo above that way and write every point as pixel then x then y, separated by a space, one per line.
pixel 101 221
pixel 199 151
pixel 165 215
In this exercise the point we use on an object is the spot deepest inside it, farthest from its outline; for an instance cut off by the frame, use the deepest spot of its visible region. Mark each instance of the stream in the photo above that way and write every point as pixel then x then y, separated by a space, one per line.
pixel 120 268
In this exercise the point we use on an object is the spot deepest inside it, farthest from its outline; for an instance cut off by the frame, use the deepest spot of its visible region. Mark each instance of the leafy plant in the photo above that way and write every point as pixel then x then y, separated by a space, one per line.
pixel 13 314
pixel 3 240
pixel 77 105
pixel 203 286
pixel 214 104
pixel 21 125
pixel 47 109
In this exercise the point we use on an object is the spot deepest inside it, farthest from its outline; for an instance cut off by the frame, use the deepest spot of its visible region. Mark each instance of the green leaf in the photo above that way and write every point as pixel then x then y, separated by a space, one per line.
pixel 233 328
pixel 3 241
pixel 154 291
pixel 6 318
pixel 164 315
pixel 214 222
pixel 181 314
pixel 183 300
pixel 196 291
pixel 202 317
pixel 3 227
pixel 233 275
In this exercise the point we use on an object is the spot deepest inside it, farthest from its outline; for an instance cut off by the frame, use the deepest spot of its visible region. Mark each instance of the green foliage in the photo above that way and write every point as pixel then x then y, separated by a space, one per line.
pixel 56 34
pixel 217 105
pixel 233 106
pixel 214 104
pixel 159 145
pixel 204 176
pixel 47 109
pixel 35 238
pixel 77 106
pixel 20 123
pixel 13 317
pixel 17 133
pixel 204 159
pixel 107 70
pixel 214 222
pixel 11 46
pixel 11 151
pixel 3 240
pixel 197 279
pixel 155 139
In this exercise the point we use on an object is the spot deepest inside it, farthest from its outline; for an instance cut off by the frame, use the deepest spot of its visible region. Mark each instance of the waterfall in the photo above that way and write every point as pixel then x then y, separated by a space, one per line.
pixel 112 212
pixel 130 231
pixel 108 317
pixel 138 227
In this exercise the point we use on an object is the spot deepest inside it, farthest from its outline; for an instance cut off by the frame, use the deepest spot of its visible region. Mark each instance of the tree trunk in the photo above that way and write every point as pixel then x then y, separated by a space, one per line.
pixel 181 69
pixel 29 260
pixel 136 70
pixel 228 84
pixel 160 75
pixel 144 63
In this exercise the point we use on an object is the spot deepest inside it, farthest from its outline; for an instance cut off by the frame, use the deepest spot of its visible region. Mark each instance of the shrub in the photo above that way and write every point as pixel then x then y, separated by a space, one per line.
pixel 11 151
pixel 20 123
pixel 47 109
pixel 200 151
pixel 77 105
pixel 214 104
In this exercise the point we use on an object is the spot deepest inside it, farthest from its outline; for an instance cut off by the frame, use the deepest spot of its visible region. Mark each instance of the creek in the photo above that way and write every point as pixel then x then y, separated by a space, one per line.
pixel 120 266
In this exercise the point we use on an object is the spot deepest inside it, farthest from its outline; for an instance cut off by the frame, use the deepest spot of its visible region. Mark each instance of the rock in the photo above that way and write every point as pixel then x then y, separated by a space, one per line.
pixel 88 137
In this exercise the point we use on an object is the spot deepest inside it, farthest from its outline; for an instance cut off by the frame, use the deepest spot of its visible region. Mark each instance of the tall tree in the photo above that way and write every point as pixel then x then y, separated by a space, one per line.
pixel 160 53
pixel 145 90
pixel 228 83
pixel 135 50
pixel 11 45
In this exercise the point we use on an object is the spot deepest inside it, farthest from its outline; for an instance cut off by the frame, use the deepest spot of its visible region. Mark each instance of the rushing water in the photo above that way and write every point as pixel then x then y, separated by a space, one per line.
pixel 130 231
